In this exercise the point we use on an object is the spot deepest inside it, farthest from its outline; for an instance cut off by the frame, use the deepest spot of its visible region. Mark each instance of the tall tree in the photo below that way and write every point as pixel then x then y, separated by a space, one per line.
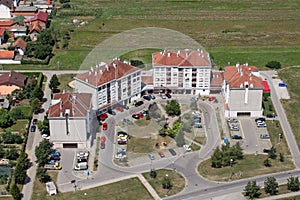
pixel 43 151
pixel 252 190
pixel 15 192
pixel 35 104
pixel 5 119
pixel 293 183
pixel 54 83
pixel 271 185
pixel 216 158
pixel 37 93
pixel 272 153
pixel 173 108
pixel 42 175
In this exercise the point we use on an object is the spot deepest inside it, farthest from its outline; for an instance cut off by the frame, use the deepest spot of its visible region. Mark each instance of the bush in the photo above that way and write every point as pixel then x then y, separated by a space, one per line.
pixel 273 65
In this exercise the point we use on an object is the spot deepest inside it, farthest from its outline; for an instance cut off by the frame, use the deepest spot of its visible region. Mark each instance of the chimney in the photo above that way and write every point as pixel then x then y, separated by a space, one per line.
pixel 92 69
pixel 114 65
pixel 246 64
pixel 48 2
pixel 169 54
pixel 107 68
pixel 87 80
pixel 101 72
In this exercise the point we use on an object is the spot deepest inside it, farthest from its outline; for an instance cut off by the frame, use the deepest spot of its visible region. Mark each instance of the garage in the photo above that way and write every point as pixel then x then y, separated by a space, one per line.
pixel 244 114
pixel 70 145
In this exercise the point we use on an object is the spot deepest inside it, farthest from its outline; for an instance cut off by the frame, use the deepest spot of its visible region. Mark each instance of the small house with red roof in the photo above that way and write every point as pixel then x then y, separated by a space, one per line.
pixel 6 24
pixel 34 30
pixel 110 84
pixel 41 17
pixel 20 46
pixel 182 71
pixel 70 120
pixel 242 89
pixel 8 57
pixel 12 81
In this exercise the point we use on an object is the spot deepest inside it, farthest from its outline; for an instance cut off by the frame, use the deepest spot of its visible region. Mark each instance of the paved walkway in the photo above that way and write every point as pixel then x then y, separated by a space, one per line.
pixel 149 187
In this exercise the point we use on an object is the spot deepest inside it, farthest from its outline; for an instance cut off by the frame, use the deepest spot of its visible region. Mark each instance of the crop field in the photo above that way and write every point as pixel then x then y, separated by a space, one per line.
pixel 232 31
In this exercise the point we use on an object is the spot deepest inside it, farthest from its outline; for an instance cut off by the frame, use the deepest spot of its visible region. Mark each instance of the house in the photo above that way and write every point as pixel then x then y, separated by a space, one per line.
pixel 5 9
pixel 26 11
pixel 216 82
pixel 2 35
pixel 41 17
pixel 4 103
pixel 70 120
pixel 51 188
pixel 12 81
pixel 7 57
pixel 20 46
pixel 34 30
pixel 182 71
pixel 6 24
pixel 19 31
pixel 42 5
pixel 242 89
pixel 114 83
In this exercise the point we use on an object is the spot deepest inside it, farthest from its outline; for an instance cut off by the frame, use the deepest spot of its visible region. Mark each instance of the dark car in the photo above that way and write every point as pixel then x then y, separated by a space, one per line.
pixel 127 121
pixel 172 152
pixel 102 145
pixel 56 153
pixel 32 128
pixel 266 150
pixel 237 137
pixel 148 98
pixel 270 115
pixel 55 157
pixel 111 112
pixel 168 95
pixel 260 119
pixel 197 120
pixel 34 121
pixel 135 116
pixel 80 160
pixel 139 103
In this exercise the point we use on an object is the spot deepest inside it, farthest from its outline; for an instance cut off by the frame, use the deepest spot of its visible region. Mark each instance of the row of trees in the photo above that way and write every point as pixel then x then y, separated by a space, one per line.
pixel 272 155
pixel 227 155
pixel 252 189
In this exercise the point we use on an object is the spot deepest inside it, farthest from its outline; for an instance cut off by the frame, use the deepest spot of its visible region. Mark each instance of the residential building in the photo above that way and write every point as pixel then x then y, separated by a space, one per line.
pixel 41 17
pixel 110 84
pixel 4 11
pixel 20 46
pixel 12 81
pixel 34 30
pixel 182 71
pixel 242 89
pixel 26 11
pixel 7 57
pixel 70 120
pixel 6 24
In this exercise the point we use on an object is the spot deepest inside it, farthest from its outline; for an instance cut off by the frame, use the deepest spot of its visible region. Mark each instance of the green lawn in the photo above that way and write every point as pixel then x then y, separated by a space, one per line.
pixel 292 106
pixel 129 189
pixel 243 168
pixel 20 126
pixel 64 80
pixel 177 182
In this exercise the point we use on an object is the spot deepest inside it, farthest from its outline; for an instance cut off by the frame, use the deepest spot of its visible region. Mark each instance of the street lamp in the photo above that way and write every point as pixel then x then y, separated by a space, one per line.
pixel 231 162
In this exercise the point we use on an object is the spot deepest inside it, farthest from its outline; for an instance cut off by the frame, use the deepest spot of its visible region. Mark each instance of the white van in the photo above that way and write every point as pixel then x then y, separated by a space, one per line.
pixel 81 166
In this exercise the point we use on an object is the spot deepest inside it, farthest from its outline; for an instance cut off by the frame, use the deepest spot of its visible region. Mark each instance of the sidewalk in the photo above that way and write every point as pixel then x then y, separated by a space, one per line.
pixel 148 187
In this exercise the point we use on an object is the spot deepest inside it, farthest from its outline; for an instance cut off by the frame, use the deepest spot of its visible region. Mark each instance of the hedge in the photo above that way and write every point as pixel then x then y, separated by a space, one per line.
pixel 36 62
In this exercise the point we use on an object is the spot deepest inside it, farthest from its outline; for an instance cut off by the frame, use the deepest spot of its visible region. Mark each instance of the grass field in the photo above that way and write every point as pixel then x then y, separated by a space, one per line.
pixel 129 189
pixel 64 80
pixel 292 106
pixel 177 182
pixel 254 31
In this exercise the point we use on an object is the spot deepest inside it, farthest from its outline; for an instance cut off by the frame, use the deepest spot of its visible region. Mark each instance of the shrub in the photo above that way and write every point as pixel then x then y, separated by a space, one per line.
pixel 273 65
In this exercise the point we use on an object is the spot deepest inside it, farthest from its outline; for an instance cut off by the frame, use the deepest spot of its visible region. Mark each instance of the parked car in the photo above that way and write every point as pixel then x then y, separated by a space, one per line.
pixel 45 136
pixel 102 145
pixel 187 147
pixel 196 113
pixel 145 113
pixel 237 137
pixel 82 155
pixel 139 103
pixel 264 136
pixel 81 160
pixel 168 95
pixel 152 96
pixel 111 112
pixel 122 142
pixel 198 126
pixel 135 116
pixel 81 166
pixel 261 124
pixel 32 128
pixel 270 115
pixel 161 154
pixel 56 153
pixel 232 120
pixel 34 121
pixel 119 108
pixel 172 152
pixel 163 96
pixel 102 117
pixel 151 156
pixel 122 134
pixel 102 138
pixel 197 120
pixel 266 150
pixel 104 126
pixel 140 115
pixel 121 150
pixel 262 119
pixel 127 121
pixel 54 157
pixel 147 97
pixel 211 98
pixel 282 85
pixel 120 155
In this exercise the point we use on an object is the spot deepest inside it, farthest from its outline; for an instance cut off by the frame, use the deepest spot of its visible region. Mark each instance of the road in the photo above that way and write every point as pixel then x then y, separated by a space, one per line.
pixel 283 120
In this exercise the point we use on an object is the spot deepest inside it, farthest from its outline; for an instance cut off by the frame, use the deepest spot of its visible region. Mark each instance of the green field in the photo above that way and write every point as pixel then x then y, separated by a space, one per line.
pixel 232 31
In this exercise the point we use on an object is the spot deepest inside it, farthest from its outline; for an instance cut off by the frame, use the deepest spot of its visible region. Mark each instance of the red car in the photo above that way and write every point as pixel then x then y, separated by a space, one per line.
pixel 211 98
pixel 102 117
pixel 120 108
pixel 102 139
pixel 161 154
pixel 104 126
pixel 140 115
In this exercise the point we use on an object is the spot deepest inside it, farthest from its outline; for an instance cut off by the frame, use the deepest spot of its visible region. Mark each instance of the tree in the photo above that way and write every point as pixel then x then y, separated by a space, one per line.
pixel 37 93
pixel 273 65
pixel 43 151
pixel 179 138
pixel 42 51
pixel 166 182
pixel 11 153
pixel 46 38
pixel 271 185
pixel 5 119
pixel 252 190
pixel 54 83
pixel 153 173
pixel 9 138
pixel 173 108
pixel 41 174
pixel 35 105
pixel 272 153
pixel 44 125
pixel 20 174
pixel 137 63
pixel 15 192
pixel 293 183
pixel 238 151
pixel 216 158
pixel 281 157
pixel 267 163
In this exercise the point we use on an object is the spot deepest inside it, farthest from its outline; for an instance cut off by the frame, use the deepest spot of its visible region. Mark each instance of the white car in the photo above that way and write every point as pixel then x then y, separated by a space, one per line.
pixel 82 155
pixel 196 113
pixel 120 156
pixel 187 147
pixel 45 136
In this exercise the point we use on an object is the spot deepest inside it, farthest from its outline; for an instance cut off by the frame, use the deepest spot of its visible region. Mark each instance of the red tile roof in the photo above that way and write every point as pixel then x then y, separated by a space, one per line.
pixel 40 16
pixel 78 104
pixel 181 58
pixel 5 54
pixel 217 78
pixel 148 80
pixel 35 26
pixel 2 31
pixel 6 24
pixel 238 75
pixel 13 78
pixel 20 43
pixel 106 73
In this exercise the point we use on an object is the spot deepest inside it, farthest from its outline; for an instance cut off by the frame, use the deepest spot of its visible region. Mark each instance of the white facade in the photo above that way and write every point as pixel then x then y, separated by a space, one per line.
pixel 4 12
